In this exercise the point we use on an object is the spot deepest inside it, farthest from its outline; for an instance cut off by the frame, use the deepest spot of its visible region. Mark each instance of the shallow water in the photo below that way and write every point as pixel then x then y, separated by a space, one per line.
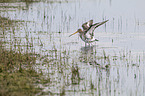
pixel 44 28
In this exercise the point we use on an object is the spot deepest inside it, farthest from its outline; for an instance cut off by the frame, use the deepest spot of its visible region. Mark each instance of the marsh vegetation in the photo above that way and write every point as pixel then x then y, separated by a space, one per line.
pixel 37 56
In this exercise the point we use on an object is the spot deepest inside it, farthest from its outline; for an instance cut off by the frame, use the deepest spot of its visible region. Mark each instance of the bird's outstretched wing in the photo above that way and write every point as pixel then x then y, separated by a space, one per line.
pixel 91 29
pixel 87 25
pixel 94 26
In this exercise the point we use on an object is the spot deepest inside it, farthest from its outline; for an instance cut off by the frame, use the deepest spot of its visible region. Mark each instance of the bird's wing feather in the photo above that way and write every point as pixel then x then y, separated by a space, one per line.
pixel 87 25
pixel 90 31
pixel 94 26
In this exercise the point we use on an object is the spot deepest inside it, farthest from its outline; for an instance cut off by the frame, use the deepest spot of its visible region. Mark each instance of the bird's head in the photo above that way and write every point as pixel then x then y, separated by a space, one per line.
pixel 78 31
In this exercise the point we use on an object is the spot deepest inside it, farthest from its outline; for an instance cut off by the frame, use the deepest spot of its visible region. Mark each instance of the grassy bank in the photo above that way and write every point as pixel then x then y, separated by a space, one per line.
pixel 17 76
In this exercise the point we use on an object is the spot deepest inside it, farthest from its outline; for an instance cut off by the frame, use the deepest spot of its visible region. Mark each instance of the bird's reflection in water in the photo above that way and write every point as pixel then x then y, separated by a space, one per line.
pixel 88 53
pixel 88 48
pixel 90 56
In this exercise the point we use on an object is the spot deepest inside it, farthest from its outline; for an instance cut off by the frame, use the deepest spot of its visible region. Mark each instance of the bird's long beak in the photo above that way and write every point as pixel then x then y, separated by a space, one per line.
pixel 73 33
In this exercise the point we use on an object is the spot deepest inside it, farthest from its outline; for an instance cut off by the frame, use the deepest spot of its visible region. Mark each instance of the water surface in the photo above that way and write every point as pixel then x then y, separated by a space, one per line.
pixel 112 66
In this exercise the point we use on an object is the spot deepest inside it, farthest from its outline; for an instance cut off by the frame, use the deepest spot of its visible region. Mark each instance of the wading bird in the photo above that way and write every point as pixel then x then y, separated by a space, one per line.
pixel 87 34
